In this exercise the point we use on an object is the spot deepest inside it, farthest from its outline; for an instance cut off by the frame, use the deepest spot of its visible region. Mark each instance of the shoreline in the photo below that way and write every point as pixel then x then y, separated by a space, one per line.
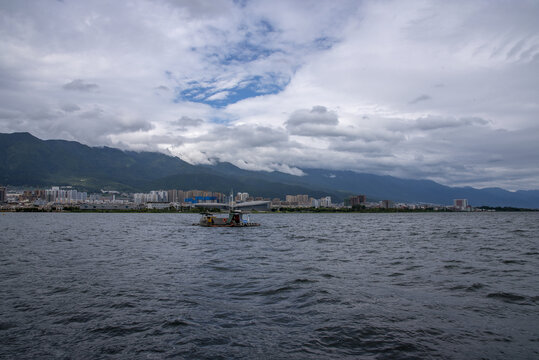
pixel 274 211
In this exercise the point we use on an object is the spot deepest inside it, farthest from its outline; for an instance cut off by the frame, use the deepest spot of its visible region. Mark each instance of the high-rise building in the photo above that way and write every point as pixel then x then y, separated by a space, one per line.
pixel 3 195
pixel 173 196
pixel 460 204
pixel 241 197
pixel 302 199
pixel 55 194
pixel 291 199
pixel 358 200
pixel 325 201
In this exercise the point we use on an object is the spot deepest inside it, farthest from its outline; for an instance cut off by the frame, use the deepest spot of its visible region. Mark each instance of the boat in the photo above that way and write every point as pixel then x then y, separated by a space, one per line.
pixel 234 219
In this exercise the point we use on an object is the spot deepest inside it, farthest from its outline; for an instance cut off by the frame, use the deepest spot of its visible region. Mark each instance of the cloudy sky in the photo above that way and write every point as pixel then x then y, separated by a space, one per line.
pixel 444 90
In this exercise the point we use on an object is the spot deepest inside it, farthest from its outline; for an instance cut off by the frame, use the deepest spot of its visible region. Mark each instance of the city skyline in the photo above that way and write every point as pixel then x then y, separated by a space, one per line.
pixel 422 90
pixel 58 197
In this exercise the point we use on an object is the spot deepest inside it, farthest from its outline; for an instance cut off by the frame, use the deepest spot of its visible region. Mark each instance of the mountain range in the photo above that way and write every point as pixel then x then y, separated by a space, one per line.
pixel 27 161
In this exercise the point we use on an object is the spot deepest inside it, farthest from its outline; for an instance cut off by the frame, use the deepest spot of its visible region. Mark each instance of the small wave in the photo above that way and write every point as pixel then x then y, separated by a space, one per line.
pixel 118 330
pixel 413 267
pixel 510 261
pixel 7 325
pixel 473 287
pixel 269 292
pixel 360 341
pixel 509 297
pixel 113 349
pixel 223 268
pixel 300 281
pixel 79 318
pixel 176 323
pixel 59 290
pixel 327 275
pixel 122 305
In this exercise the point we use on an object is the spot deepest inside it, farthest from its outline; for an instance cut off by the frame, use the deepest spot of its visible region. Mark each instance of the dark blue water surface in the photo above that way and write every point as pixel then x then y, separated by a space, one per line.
pixel 301 286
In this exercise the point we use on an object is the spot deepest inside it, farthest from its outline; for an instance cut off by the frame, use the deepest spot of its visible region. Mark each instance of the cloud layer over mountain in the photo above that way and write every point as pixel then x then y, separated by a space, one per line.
pixel 419 89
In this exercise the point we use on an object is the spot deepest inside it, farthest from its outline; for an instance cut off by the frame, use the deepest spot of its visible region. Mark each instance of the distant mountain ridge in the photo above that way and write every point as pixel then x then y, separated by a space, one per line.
pixel 29 161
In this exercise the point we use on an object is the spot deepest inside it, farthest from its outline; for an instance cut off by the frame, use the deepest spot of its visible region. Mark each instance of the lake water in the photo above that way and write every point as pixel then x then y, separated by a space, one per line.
pixel 301 286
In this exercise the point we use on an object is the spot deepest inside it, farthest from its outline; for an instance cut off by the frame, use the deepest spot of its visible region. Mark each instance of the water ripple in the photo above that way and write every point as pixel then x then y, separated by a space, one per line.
pixel 301 286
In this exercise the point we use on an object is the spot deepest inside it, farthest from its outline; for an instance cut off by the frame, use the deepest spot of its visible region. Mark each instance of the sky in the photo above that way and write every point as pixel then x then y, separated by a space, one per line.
pixel 440 90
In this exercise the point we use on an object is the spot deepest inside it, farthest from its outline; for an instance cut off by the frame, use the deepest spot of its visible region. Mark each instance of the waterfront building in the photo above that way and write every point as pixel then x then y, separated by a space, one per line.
pixel 261 205
pixel 325 201
pixel 3 196
pixel 302 199
pixel 290 199
pixel 241 197
pixel 358 200
pixel 139 198
pixel 109 206
pixel 387 204
pixel 157 205
pixel 158 196
pixel 64 196
pixel 172 196
pixel 460 204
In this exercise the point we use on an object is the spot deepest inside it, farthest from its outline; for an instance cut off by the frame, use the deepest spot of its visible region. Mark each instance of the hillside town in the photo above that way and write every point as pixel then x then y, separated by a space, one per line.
pixel 67 198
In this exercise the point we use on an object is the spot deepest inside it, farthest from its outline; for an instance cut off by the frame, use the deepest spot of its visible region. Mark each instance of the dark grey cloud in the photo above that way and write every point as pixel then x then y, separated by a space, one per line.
pixel 432 123
pixel 315 122
pixel 10 114
pixel 80 85
pixel 185 122
pixel 70 108
pixel 243 137
pixel 361 147
pixel 317 115
pixel 419 99
pixel 435 123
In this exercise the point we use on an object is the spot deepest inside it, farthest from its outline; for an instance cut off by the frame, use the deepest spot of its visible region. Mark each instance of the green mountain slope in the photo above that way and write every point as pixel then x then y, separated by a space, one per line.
pixel 29 161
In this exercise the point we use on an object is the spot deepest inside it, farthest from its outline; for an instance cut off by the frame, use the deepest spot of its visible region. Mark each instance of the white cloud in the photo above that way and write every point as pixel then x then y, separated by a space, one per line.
pixel 442 90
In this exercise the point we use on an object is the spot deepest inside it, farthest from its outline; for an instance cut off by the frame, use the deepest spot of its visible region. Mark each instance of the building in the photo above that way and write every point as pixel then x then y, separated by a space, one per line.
pixel 460 204
pixel 109 206
pixel 173 196
pixel 210 205
pixel 3 196
pixel 358 200
pixel 325 201
pixel 254 205
pixel 240 197
pixel 64 196
pixel 157 205
pixel 387 204
pixel 290 199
